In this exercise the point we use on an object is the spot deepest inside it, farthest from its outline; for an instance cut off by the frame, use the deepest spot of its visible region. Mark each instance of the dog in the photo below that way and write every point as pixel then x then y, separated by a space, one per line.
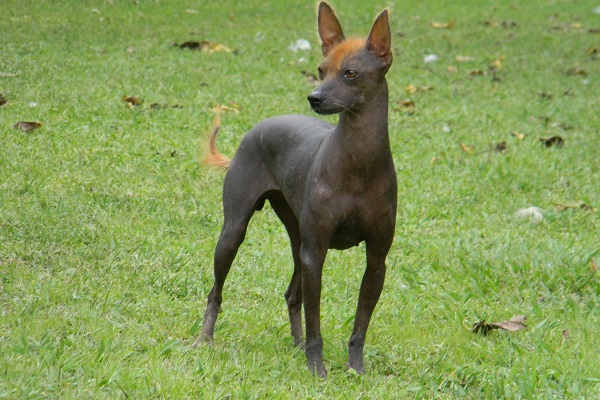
pixel 332 187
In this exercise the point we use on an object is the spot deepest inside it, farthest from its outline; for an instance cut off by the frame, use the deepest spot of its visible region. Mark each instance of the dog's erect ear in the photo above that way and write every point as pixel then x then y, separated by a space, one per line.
pixel 380 40
pixel 330 29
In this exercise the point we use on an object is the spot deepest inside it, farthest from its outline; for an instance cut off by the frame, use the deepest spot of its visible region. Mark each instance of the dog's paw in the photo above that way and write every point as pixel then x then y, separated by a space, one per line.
pixel 202 340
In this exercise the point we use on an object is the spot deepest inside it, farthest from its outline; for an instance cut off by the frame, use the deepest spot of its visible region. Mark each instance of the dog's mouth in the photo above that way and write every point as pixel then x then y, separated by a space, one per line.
pixel 320 109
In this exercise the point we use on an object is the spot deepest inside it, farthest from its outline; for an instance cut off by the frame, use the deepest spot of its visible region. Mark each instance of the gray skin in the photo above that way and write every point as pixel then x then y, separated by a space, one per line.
pixel 331 186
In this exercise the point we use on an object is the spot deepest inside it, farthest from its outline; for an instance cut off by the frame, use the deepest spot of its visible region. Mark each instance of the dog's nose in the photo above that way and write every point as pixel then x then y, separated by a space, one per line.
pixel 314 99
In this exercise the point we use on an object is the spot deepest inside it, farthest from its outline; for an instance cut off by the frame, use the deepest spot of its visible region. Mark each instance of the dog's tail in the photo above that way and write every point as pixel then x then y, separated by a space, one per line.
pixel 212 156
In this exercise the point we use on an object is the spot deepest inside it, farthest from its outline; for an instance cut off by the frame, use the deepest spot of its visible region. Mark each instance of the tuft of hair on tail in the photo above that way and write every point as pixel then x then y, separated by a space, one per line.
pixel 213 158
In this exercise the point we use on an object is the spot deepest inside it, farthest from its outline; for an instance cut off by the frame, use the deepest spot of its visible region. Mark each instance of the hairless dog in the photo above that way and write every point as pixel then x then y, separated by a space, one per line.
pixel 333 187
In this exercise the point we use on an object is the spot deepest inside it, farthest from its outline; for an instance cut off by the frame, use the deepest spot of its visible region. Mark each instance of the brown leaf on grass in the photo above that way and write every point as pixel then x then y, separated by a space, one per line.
pixel 464 58
pixel 26 126
pixel 500 147
pixel 204 46
pixel 156 106
pixel 491 22
pixel 565 334
pixel 467 149
pixel 132 101
pixel 594 266
pixel 3 100
pixel 477 72
pixel 586 207
pixel 497 63
pixel 519 136
pixel 577 71
pixel 595 31
pixel 514 324
pixel 553 141
pixel 582 206
pixel 407 103
pixel 443 25
pixel 417 89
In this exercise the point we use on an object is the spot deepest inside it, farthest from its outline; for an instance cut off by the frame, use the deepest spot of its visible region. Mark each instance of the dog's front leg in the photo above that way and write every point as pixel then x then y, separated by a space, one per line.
pixel 312 255
pixel 370 290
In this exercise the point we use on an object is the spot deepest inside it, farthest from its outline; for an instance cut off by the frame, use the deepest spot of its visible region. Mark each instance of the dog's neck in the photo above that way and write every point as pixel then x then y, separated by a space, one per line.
pixel 364 134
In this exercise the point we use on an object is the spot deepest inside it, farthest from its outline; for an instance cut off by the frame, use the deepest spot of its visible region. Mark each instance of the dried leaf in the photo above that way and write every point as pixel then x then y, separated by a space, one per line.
pixel 132 101
pixel 3 100
pixel 553 141
pixel 464 58
pixel 500 147
pixel 477 72
pixel 491 22
pixel 414 89
pixel 577 71
pixel 565 334
pixel 594 266
pixel 497 63
pixel 204 46
pixel 406 103
pixel 452 68
pixel 26 126
pixel 156 106
pixel 582 206
pixel 444 25
pixel 519 136
pixel 467 149
pixel 512 325
pixel 586 207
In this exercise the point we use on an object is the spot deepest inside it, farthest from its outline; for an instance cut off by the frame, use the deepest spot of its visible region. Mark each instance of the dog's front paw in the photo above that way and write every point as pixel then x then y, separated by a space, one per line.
pixel 202 339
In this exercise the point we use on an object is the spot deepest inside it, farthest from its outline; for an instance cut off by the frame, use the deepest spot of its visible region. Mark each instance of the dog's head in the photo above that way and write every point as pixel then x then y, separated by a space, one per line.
pixel 353 68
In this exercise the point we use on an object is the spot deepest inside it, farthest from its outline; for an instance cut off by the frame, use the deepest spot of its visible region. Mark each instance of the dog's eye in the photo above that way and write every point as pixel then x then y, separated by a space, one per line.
pixel 350 74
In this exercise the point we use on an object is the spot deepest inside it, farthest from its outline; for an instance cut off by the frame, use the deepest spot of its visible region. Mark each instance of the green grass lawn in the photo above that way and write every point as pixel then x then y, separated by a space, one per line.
pixel 108 221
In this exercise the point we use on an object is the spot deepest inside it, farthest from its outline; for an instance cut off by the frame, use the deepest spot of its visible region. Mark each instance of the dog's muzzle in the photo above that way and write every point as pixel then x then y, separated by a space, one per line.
pixel 315 100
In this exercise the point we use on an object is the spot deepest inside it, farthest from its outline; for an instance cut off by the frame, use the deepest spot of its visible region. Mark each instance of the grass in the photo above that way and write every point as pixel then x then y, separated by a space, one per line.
pixel 108 221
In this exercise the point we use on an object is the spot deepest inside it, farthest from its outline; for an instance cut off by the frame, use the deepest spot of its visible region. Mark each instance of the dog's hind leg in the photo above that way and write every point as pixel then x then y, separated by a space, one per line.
pixel 243 193
pixel 293 294
pixel 232 236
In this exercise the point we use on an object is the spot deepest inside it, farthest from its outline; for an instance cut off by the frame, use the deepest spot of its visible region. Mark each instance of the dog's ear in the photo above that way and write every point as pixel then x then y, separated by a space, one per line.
pixel 330 29
pixel 380 40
